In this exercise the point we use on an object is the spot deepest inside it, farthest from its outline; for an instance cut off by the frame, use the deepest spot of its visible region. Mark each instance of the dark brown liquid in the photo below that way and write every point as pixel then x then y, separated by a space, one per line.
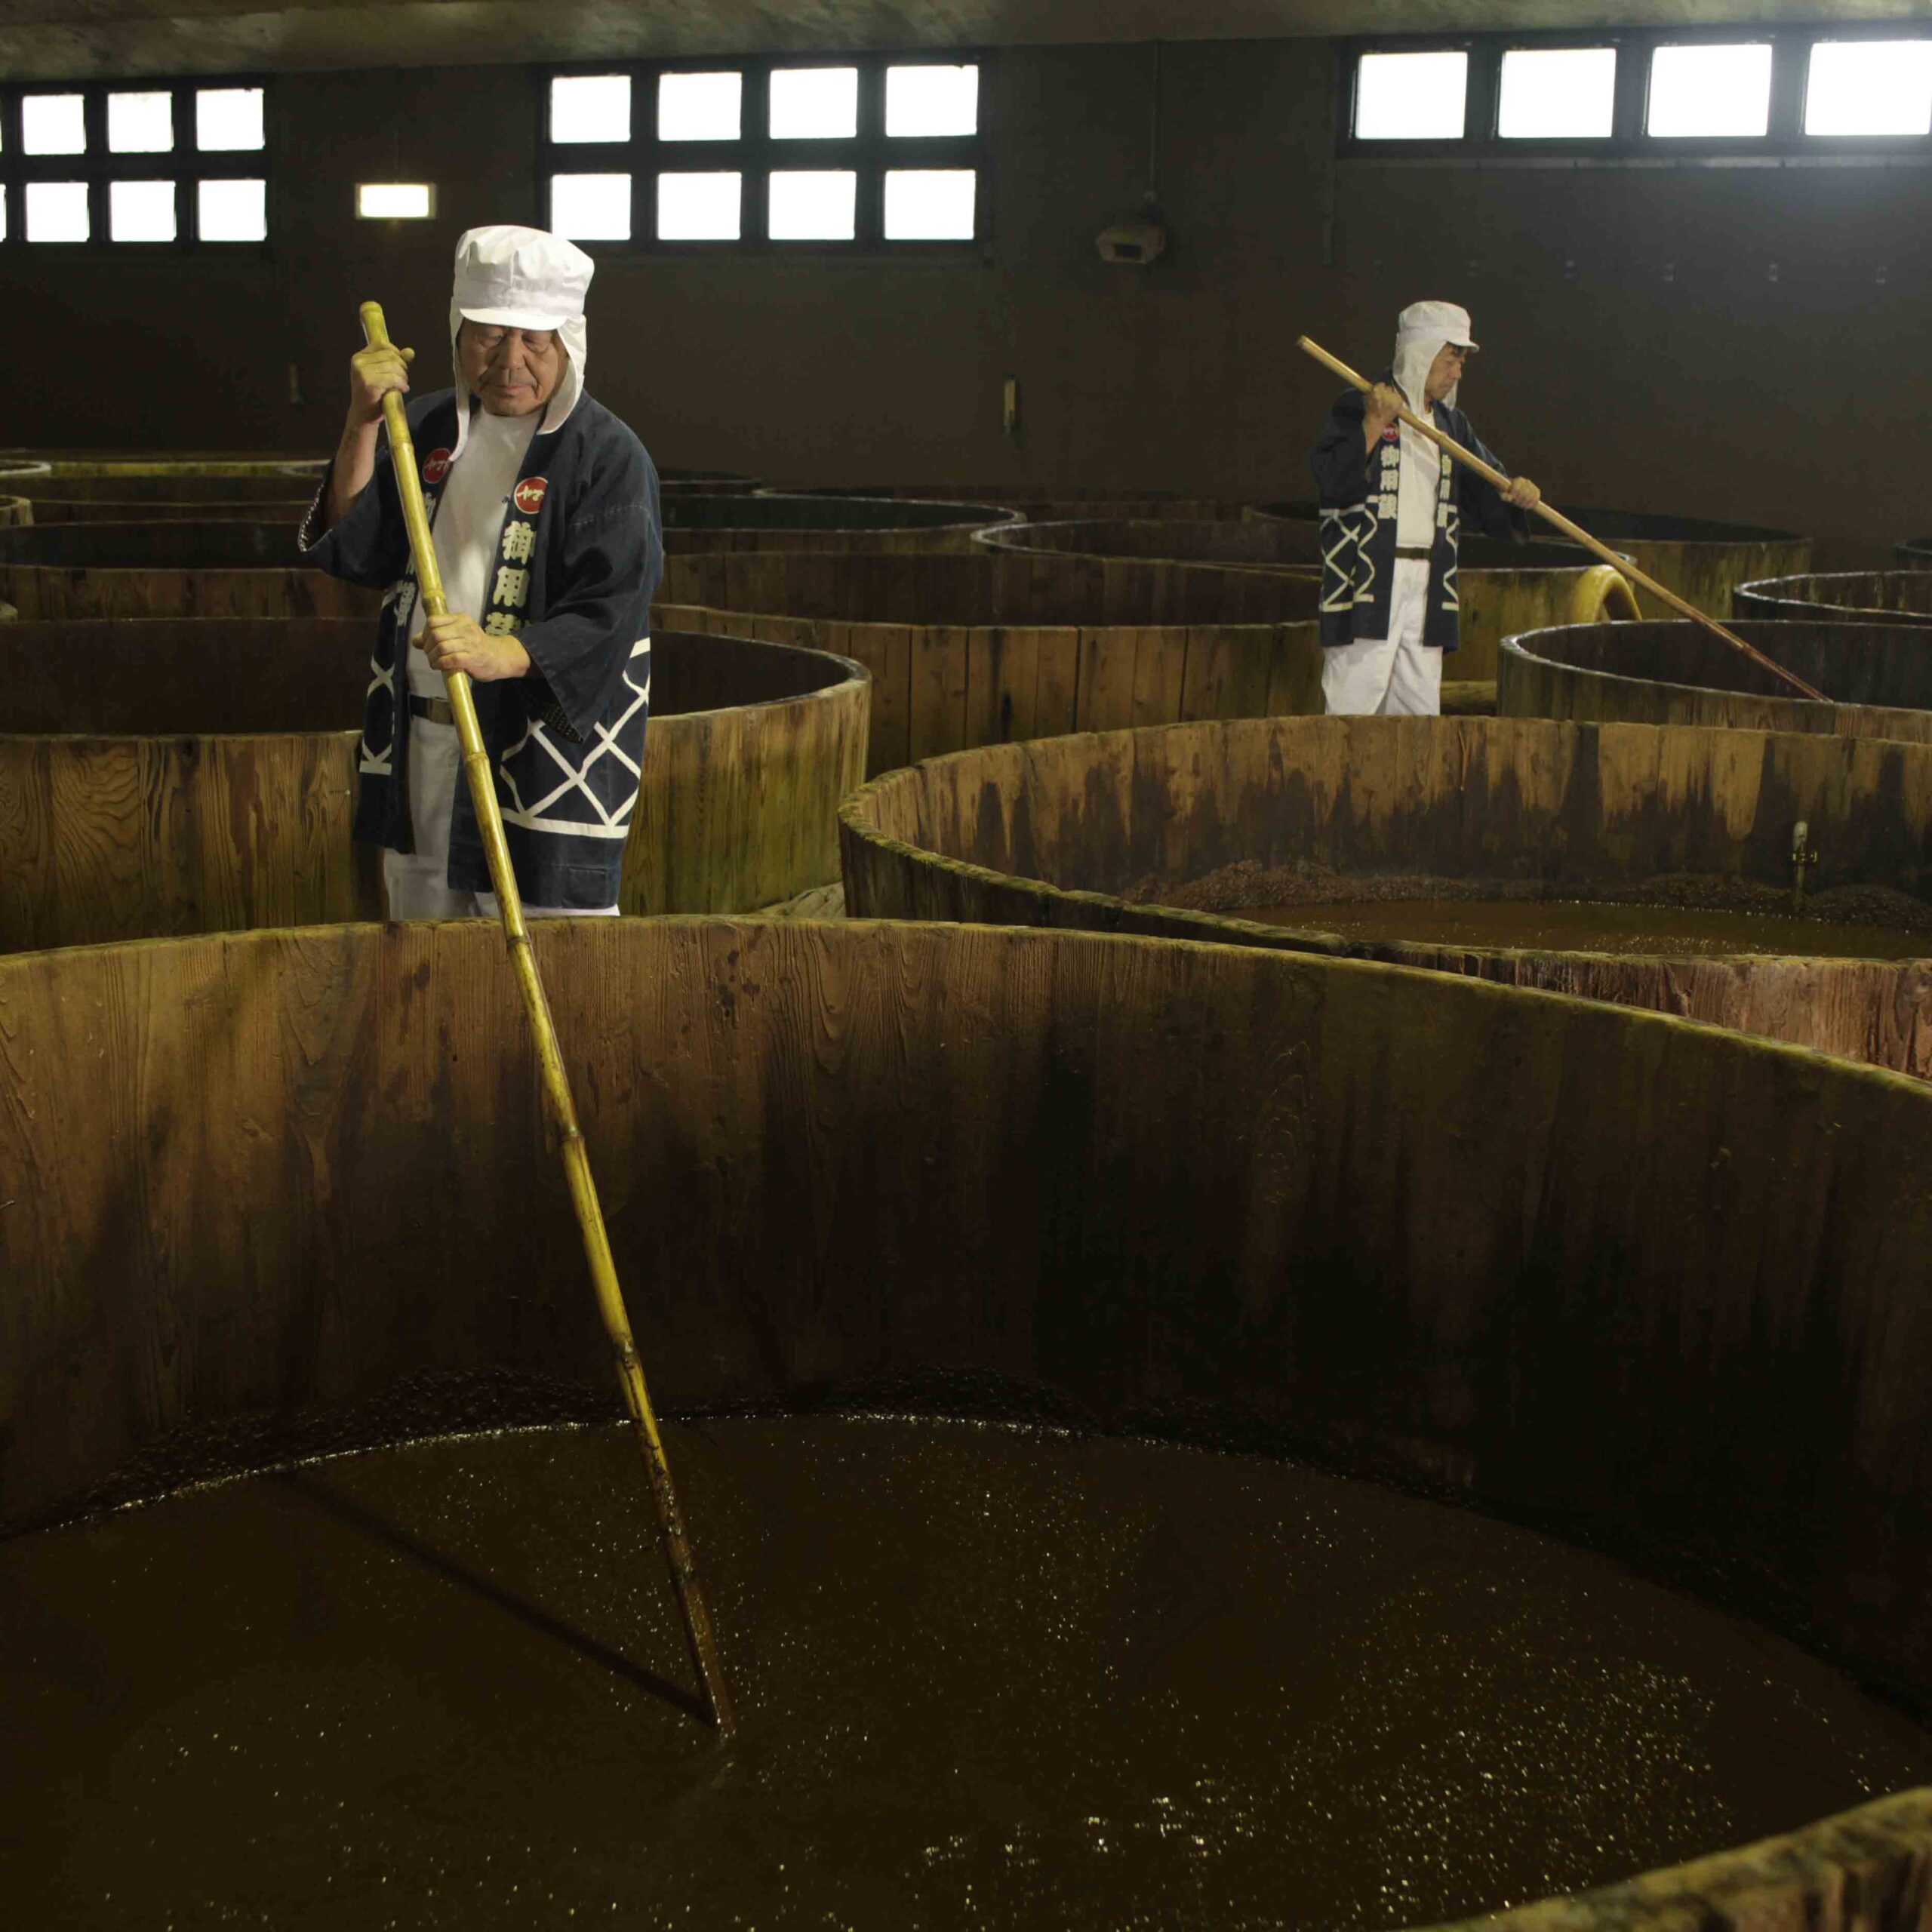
pixel 1568 925
pixel 987 1677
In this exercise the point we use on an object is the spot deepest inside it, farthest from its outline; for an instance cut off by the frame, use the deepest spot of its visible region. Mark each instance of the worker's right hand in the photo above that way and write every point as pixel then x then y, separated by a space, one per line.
pixel 372 374
pixel 1384 406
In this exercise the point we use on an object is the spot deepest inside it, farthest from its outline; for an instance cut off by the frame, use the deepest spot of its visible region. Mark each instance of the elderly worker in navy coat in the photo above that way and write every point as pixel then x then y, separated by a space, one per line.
pixel 545 512
pixel 1392 509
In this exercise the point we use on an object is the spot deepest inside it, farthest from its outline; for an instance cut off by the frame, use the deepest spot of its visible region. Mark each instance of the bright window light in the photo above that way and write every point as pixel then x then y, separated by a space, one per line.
pixel 232 211
pixel 700 107
pixel 814 104
pixel 929 203
pixel 1411 96
pixel 700 208
pixel 1557 94
pixel 1869 86
pixel 228 119
pixel 140 210
pixel 811 204
pixel 591 207
pixel 57 211
pixel 52 123
pixel 396 201
pixel 590 107
pixel 932 101
pixel 1725 90
pixel 140 123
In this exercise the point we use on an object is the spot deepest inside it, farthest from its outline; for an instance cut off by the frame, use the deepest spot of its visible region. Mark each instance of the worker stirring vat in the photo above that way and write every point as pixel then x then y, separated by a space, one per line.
pixel 1392 506
pixel 548 536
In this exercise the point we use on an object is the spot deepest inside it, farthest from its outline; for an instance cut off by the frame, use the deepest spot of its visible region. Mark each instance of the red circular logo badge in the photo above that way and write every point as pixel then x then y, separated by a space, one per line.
pixel 435 466
pixel 530 494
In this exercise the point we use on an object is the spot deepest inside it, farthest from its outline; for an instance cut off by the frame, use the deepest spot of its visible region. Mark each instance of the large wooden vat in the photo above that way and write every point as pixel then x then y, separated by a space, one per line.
pixel 1039 503
pixel 700 523
pixel 193 776
pixel 14 510
pixel 169 570
pixel 1126 831
pixel 981 649
pixel 1875 597
pixel 1878 677
pixel 1703 562
pixel 1504 587
pixel 1677 1311
pixel 1915 555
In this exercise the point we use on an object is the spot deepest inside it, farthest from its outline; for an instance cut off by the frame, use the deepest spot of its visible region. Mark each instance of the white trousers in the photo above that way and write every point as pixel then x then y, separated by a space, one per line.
pixel 1397 675
pixel 417 883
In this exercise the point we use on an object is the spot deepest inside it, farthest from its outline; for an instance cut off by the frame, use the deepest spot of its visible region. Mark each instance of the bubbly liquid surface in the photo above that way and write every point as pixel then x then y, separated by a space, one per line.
pixel 987 1677
pixel 1568 925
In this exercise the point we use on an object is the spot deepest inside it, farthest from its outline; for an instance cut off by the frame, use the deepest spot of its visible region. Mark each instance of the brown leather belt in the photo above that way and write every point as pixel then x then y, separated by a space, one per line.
pixel 438 710
pixel 1411 555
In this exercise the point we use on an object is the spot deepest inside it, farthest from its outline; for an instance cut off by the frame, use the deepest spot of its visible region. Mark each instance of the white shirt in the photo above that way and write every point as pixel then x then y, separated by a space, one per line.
pixel 469 525
pixel 1420 478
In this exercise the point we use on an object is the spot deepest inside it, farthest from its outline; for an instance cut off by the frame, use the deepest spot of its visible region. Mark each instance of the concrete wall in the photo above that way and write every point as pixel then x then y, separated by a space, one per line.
pixel 1639 350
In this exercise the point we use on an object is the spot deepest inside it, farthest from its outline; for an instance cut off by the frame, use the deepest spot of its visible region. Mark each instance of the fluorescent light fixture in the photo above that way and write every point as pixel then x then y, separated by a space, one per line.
pixel 396 201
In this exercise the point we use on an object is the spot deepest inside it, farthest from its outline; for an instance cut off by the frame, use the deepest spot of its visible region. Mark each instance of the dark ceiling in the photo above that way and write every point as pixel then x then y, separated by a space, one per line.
pixel 53 38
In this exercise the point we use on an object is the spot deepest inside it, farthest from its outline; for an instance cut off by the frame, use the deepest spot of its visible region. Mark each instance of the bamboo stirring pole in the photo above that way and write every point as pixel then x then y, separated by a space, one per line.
pixel 698 1632
pixel 1574 532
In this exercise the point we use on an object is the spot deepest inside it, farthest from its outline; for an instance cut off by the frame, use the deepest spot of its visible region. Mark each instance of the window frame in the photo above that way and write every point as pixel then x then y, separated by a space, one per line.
pixel 754 155
pixel 1628 143
pixel 187 163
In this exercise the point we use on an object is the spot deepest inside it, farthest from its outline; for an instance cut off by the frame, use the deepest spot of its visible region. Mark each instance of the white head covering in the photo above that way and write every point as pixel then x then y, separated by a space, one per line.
pixel 1421 329
pixel 512 278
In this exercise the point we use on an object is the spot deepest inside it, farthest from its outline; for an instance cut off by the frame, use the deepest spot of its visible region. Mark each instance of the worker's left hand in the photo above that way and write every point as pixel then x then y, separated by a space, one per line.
pixel 455 643
pixel 1522 494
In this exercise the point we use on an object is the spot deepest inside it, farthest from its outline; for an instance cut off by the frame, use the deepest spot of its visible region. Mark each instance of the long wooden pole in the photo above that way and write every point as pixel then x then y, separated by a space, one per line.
pixel 1574 532
pixel 698 1631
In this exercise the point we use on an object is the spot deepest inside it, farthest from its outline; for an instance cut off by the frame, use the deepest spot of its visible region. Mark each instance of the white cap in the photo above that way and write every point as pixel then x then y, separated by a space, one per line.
pixel 515 278
pixel 1443 320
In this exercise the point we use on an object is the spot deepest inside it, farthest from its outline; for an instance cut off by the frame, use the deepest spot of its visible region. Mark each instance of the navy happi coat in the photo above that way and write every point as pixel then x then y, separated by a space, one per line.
pixel 579 560
pixel 1357 487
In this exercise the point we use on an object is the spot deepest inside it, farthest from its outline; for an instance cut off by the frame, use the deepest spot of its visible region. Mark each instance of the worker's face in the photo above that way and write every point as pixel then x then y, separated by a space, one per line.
pixel 515 372
pixel 1446 371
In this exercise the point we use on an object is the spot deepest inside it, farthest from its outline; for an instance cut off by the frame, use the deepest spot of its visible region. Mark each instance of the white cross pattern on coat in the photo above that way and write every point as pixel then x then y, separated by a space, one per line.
pixel 533 817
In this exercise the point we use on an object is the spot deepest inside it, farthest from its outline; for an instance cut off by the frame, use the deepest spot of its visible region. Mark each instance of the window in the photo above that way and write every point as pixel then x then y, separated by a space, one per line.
pixel 156 164
pixel 140 210
pixel 814 104
pixel 1723 91
pixel 1557 94
pixel 1411 96
pixel 593 208
pixel 1795 97
pixel 1869 88
pixel 591 107
pixel 864 154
